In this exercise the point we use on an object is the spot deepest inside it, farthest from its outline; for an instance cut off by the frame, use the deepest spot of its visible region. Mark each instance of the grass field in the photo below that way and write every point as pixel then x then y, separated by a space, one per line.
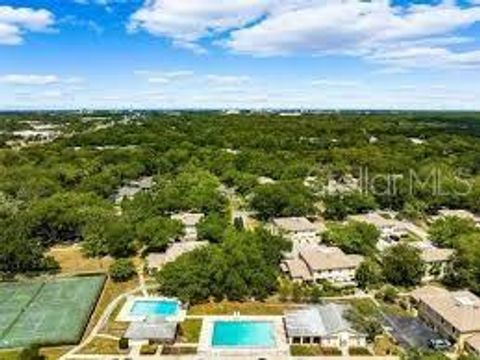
pixel 48 313
pixel 230 308
pixel 72 260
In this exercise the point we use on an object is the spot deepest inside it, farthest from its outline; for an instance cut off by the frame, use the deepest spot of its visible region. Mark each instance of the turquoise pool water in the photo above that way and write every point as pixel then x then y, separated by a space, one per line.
pixel 243 334
pixel 161 308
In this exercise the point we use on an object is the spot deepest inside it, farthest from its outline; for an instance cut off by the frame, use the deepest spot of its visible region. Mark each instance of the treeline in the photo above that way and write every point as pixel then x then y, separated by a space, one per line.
pixel 62 191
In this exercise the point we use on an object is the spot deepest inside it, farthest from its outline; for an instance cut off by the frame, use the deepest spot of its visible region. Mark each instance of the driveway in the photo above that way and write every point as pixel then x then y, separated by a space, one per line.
pixel 409 331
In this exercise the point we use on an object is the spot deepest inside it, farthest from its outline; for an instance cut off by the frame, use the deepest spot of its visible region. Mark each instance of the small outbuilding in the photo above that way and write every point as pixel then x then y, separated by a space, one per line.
pixel 155 330
pixel 324 325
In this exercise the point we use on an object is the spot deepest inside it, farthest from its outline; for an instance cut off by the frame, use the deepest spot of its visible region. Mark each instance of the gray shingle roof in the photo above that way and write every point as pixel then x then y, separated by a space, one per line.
pixel 317 321
pixel 153 329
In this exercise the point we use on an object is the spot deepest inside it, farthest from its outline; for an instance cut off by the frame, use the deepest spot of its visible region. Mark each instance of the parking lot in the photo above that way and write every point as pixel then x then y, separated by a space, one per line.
pixel 410 332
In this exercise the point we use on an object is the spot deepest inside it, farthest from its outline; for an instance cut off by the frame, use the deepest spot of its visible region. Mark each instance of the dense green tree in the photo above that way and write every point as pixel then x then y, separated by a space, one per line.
pixel 353 238
pixel 122 270
pixel 282 199
pixel 446 231
pixel 157 233
pixel 402 265
pixel 464 270
pixel 338 206
pixel 213 227
pixel 244 265
pixel 369 274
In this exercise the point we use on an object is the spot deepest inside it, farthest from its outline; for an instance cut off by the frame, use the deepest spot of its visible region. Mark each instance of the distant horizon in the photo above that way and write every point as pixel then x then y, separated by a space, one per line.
pixel 219 109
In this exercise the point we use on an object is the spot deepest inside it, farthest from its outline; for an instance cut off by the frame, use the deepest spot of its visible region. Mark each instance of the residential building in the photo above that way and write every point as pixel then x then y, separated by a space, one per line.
pixel 391 230
pixel 455 315
pixel 299 230
pixel 190 222
pixel 472 344
pixel 316 263
pixel 156 260
pixel 324 325
pixel 132 188
pixel 463 214
pixel 153 330
pixel 436 259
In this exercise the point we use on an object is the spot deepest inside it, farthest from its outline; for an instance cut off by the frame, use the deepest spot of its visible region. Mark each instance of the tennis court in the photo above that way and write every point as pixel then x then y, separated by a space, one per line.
pixel 47 313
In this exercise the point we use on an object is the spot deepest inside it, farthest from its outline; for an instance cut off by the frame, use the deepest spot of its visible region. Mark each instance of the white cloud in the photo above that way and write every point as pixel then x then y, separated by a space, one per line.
pixel 164 77
pixel 29 79
pixel 187 21
pixel 38 80
pixel 435 57
pixel 365 29
pixel 350 27
pixel 227 80
pixel 15 22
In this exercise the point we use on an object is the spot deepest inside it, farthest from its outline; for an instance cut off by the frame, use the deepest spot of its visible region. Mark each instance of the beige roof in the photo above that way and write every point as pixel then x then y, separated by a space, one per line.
pixel 294 224
pixel 320 258
pixel 188 219
pixel 156 260
pixel 464 214
pixel 431 255
pixel 461 308
pixel 298 269
pixel 374 219
pixel 474 342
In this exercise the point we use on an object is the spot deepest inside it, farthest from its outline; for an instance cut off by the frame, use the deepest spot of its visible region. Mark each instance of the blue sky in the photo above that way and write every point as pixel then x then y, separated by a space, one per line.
pixel 239 54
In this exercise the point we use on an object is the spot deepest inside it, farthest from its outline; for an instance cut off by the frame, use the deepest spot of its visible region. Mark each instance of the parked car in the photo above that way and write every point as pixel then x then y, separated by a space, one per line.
pixel 439 344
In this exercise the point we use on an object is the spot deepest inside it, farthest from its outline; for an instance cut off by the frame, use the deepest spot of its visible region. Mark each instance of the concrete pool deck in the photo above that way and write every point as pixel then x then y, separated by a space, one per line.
pixel 206 348
pixel 125 314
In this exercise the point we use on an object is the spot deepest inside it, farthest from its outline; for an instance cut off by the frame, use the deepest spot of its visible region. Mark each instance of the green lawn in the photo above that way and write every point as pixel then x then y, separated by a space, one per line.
pixel 244 308
pixel 190 331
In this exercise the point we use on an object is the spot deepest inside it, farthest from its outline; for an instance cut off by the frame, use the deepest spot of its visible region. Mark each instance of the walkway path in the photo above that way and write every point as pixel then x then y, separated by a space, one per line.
pixel 99 325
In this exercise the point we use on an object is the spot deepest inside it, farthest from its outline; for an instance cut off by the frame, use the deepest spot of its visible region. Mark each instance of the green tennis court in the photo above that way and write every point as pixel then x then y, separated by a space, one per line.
pixel 47 313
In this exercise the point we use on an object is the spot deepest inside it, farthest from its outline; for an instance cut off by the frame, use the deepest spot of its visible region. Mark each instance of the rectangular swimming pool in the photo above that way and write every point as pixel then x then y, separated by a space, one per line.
pixel 155 308
pixel 243 334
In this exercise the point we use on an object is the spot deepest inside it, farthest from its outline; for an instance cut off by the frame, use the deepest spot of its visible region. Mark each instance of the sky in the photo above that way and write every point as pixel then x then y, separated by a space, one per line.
pixel 171 54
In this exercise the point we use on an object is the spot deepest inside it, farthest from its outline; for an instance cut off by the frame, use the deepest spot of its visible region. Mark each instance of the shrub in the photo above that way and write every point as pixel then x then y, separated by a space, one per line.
pixel 123 344
pixel 179 350
pixel 122 270
pixel 358 351
pixel 388 294
pixel 31 352
pixel 148 349
pixel 313 350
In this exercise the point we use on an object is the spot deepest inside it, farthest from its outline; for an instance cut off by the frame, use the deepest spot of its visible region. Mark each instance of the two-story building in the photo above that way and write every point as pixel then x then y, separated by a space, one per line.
pixel 299 230
pixel 455 315
pixel 436 259
pixel 316 263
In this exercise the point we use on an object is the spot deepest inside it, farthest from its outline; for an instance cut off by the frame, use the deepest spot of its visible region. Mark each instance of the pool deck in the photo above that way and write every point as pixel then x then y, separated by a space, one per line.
pixel 125 314
pixel 280 349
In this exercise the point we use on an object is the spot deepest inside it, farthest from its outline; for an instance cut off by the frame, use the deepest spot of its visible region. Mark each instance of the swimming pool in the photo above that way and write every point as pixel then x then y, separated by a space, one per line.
pixel 160 308
pixel 243 334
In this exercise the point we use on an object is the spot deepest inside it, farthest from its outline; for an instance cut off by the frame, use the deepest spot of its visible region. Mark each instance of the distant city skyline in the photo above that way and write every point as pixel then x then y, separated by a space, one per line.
pixel 205 54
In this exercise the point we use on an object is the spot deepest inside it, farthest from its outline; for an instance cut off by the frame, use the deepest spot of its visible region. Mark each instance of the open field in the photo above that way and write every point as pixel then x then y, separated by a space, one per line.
pixel 101 346
pixel 55 314
pixel 230 308
pixel 72 260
